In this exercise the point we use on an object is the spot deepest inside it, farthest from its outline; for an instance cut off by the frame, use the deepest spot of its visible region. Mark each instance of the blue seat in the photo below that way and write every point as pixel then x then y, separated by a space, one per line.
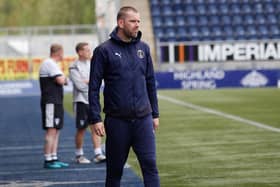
pixel 248 19
pixel 190 10
pixel 258 8
pixel 212 9
pixel 159 33
pixel 157 22
pixel 205 32
pixel 226 20
pixel 194 34
pixel 201 9
pixel 171 34
pixel 217 33
pixel 251 32
pixel 260 19
pixel 271 19
pixel 214 20
pixel 168 21
pixel 191 20
pixel 202 20
pixel 237 20
pixel 228 33
pixel 235 9
pixel 269 8
pixel 155 10
pixel 166 10
pixel 240 33
pixel 224 9
pixel 274 32
pixel 246 8
pixel 263 32
pixel 182 34
pixel 178 9
pixel 180 20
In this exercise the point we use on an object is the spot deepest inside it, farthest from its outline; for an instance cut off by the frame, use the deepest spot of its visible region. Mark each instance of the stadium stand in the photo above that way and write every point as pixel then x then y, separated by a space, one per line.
pixel 215 20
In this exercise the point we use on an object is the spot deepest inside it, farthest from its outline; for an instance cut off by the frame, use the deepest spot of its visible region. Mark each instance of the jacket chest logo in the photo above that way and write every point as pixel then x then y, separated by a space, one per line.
pixel 140 53
pixel 118 54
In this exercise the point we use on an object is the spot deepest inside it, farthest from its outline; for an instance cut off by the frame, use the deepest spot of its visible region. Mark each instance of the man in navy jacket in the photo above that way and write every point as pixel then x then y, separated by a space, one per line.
pixel 130 99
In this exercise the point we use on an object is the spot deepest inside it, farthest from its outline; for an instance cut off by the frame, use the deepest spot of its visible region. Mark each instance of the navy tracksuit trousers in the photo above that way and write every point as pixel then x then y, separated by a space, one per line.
pixel 121 134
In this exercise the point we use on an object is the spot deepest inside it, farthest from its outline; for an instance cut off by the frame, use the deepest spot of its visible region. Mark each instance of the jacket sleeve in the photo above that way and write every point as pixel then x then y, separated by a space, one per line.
pixel 77 79
pixel 96 76
pixel 151 85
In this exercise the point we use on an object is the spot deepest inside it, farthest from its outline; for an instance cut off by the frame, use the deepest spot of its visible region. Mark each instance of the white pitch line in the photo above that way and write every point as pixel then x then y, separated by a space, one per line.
pixel 218 113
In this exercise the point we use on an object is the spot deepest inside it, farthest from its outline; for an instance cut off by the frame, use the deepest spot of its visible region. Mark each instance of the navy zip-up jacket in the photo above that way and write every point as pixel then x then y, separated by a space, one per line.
pixel 127 70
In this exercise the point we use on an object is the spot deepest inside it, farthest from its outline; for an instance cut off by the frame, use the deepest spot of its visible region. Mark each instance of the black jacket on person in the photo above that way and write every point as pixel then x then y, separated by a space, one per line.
pixel 127 70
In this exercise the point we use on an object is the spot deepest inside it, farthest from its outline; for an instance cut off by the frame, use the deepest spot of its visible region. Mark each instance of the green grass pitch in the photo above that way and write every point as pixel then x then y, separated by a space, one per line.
pixel 196 148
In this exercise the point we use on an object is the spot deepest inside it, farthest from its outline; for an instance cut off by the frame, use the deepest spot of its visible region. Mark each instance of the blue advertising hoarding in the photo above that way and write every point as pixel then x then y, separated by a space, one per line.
pixel 217 78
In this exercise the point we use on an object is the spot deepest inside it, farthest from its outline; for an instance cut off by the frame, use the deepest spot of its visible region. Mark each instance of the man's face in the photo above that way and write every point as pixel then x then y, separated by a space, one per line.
pixel 130 24
pixel 85 53
pixel 60 55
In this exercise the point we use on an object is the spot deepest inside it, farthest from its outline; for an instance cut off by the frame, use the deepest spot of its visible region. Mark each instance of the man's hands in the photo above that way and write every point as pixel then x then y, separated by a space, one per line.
pixel 99 128
pixel 156 123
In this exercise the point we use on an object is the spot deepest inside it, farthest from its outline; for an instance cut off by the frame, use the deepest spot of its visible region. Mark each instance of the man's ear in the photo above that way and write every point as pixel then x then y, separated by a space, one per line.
pixel 121 23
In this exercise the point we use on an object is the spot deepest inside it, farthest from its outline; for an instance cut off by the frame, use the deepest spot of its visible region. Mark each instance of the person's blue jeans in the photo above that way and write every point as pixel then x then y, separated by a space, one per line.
pixel 121 134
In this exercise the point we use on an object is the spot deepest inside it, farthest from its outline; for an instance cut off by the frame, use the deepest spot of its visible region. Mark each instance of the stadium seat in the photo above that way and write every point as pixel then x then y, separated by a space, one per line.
pixel 166 10
pixel 248 19
pixel 224 9
pixel 226 20
pixel 157 21
pixel 194 34
pixel 237 20
pixel 260 19
pixel 171 34
pixel 191 20
pixel 202 20
pixel 235 9
pixel 155 10
pixel 182 34
pixel 217 33
pixel 205 31
pixel 258 8
pixel 214 20
pixel 240 33
pixel 269 8
pixel 201 9
pixel 180 20
pixel 228 33
pixel 212 9
pixel 271 19
pixel 189 10
pixel 246 9
pixel 251 32
pixel 263 32
pixel 274 32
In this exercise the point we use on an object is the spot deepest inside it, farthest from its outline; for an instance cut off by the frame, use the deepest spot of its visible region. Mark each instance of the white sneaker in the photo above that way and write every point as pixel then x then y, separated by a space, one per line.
pixel 82 160
pixel 99 158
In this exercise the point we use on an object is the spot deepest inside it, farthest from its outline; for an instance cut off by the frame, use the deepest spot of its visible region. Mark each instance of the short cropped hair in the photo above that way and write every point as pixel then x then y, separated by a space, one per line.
pixel 123 11
pixel 55 48
pixel 80 46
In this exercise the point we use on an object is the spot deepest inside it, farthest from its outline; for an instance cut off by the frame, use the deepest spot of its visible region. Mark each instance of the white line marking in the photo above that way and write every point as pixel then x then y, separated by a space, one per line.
pixel 218 113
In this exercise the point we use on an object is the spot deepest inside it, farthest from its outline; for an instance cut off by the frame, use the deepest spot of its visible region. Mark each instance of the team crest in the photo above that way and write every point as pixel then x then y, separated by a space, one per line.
pixel 140 53
pixel 56 120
